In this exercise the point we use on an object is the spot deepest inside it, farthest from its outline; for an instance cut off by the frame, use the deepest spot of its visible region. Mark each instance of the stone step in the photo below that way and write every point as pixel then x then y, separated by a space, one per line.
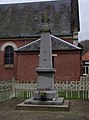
pixel 58 101
pixel 32 107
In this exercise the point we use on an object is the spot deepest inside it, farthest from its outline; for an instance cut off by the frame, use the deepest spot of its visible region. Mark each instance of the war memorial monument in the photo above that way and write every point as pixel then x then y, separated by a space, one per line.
pixel 45 97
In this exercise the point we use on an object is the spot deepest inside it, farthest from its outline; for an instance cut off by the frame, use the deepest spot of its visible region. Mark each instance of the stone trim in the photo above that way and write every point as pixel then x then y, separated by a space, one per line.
pixel 8 66
pixel 7 44
pixel 66 42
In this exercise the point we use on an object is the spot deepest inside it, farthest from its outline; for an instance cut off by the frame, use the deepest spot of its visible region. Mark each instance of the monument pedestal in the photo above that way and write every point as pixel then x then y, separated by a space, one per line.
pixel 50 95
pixel 45 79
pixel 57 101
pixel 45 84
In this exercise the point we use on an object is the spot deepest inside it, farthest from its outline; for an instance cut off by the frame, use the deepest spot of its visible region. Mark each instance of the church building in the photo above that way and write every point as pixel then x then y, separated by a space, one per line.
pixel 20 37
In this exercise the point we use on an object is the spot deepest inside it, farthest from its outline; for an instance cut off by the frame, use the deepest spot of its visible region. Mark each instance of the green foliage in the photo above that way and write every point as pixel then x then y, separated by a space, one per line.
pixel 66 94
pixel 72 94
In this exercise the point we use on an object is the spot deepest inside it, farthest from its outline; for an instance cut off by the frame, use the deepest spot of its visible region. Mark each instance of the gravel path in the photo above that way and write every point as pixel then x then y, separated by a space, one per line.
pixel 79 110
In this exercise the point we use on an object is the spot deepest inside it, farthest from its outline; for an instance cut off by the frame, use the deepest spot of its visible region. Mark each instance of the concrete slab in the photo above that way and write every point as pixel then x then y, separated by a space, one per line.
pixel 33 107
pixel 58 101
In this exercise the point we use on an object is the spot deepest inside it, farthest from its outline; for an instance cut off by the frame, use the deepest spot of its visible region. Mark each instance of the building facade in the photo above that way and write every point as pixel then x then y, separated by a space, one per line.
pixel 20 39
pixel 85 61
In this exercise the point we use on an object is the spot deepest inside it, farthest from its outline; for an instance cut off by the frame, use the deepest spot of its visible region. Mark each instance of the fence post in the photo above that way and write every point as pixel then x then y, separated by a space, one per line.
pixel 13 86
pixel 67 89
pixel 71 88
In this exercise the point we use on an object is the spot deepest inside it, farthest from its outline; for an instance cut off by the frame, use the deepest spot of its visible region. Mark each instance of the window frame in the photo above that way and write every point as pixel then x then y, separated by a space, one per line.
pixel 86 69
pixel 9 56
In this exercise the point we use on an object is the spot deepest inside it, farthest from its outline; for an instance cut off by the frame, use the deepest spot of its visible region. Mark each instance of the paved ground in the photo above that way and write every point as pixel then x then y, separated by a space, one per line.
pixel 79 110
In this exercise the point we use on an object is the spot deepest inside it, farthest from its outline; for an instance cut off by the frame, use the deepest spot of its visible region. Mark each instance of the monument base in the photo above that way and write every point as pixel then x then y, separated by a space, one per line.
pixel 59 105
pixel 48 94
pixel 58 101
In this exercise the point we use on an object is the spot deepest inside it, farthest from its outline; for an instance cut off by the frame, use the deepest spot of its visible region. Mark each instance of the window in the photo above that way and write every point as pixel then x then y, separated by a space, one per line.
pixel 9 55
pixel 53 61
pixel 85 69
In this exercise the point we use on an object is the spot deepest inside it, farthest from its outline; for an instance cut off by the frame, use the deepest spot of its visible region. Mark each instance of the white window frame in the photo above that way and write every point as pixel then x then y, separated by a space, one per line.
pixel 85 69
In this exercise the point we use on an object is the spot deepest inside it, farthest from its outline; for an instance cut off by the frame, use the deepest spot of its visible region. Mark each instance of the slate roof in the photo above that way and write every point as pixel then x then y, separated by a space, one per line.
pixel 24 19
pixel 57 45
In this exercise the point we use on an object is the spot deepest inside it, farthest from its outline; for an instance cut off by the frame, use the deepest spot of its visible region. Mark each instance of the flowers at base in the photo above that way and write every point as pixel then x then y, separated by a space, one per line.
pixel 43 95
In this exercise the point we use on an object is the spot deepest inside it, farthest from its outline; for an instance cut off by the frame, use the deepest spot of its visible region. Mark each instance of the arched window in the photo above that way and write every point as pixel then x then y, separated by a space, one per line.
pixel 9 55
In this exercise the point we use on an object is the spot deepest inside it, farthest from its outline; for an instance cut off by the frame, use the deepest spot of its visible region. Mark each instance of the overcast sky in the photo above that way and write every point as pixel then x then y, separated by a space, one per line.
pixel 84 15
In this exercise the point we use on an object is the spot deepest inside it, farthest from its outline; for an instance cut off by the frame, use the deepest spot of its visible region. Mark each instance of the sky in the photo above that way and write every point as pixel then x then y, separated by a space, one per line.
pixel 83 12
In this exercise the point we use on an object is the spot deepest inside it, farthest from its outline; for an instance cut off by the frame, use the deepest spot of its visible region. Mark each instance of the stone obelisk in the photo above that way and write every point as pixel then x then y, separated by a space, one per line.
pixel 45 79
pixel 45 93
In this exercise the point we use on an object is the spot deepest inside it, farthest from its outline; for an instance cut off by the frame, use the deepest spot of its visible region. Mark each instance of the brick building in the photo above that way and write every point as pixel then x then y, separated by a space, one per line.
pixel 85 61
pixel 20 39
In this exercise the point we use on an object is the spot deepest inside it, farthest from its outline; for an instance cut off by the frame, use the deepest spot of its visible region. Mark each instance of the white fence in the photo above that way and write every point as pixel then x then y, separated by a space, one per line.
pixel 6 90
pixel 67 89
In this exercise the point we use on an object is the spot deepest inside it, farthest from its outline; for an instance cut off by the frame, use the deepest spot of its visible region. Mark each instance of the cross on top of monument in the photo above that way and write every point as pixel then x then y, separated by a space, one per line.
pixel 45 23
pixel 45 18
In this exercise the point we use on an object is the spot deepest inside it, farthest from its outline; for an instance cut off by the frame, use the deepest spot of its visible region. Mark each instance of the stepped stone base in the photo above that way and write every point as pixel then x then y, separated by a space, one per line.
pixel 59 105
pixel 49 95
pixel 58 101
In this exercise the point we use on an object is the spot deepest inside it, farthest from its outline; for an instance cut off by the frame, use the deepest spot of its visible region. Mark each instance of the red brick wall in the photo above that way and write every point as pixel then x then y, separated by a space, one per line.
pixel 18 42
pixel 67 65
pixel 68 39
pixel 7 73
pixel 26 66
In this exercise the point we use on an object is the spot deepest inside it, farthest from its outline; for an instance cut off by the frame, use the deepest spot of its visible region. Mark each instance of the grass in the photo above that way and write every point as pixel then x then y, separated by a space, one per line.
pixel 66 94
pixel 72 94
